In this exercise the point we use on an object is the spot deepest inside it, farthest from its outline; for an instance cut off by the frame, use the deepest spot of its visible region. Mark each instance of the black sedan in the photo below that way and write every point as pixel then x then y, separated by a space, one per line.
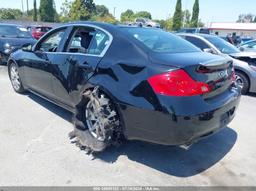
pixel 128 82
pixel 12 37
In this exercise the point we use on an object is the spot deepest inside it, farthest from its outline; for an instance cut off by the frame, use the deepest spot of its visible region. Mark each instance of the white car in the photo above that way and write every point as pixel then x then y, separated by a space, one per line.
pixel 147 22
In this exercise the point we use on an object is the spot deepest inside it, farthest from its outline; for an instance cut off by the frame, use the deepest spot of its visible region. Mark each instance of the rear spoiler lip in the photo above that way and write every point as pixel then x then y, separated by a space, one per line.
pixel 216 62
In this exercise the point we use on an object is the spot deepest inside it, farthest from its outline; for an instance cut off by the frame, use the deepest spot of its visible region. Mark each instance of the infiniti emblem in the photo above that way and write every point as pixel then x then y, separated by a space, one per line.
pixel 223 74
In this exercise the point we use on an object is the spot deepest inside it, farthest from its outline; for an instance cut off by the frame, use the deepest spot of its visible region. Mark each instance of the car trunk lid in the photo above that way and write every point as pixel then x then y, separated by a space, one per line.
pixel 213 70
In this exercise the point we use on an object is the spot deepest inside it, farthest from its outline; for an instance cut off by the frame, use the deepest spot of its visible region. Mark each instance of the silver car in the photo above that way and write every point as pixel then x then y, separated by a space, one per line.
pixel 244 62
pixel 249 46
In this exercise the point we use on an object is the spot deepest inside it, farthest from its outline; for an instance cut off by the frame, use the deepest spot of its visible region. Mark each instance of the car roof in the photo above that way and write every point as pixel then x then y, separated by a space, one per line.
pixel 197 35
pixel 9 24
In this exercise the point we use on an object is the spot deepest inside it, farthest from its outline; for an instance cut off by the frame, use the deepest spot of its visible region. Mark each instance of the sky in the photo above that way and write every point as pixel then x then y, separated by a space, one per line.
pixel 210 10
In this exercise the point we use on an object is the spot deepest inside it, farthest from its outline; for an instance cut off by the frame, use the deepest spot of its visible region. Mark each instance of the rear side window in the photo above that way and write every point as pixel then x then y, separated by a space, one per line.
pixel 160 41
pixel 197 42
pixel 88 41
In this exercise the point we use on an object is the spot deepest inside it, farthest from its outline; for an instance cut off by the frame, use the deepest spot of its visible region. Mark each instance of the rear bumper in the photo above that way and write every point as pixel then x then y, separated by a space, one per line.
pixel 171 128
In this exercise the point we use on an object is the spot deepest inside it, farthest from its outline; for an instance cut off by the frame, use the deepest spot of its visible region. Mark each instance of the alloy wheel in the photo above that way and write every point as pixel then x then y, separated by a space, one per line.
pixel 15 78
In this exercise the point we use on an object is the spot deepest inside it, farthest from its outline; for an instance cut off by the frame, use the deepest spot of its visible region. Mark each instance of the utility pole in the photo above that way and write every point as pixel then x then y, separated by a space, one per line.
pixel 22 6
pixel 27 7
pixel 114 11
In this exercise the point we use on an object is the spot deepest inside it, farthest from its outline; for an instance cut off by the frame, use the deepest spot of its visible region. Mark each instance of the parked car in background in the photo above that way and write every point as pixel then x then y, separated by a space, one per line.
pixel 12 37
pixel 244 63
pixel 194 30
pixel 249 46
pixel 38 31
pixel 133 82
pixel 245 39
pixel 146 22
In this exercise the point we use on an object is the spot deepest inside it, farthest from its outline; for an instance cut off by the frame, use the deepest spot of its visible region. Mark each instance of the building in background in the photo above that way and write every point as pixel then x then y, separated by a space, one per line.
pixel 241 29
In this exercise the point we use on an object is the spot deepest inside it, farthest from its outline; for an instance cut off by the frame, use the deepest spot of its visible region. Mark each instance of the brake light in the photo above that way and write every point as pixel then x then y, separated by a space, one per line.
pixel 177 83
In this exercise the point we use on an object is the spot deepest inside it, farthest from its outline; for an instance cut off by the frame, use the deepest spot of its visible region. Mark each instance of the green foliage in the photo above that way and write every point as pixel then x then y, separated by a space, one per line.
pixel 127 16
pixel 195 15
pixel 143 14
pixel 10 13
pixel 85 10
pixel 46 11
pixel 78 11
pixel 186 18
pixel 177 17
pixel 35 12
pixel 65 9
pixel 101 11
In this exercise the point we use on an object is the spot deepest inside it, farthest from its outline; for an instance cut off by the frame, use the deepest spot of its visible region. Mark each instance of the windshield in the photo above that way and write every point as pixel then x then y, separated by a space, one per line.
pixel 14 31
pixel 222 45
pixel 161 41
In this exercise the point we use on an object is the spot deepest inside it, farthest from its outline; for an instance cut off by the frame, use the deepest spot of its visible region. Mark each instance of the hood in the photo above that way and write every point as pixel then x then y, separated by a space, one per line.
pixel 17 42
pixel 244 54
pixel 185 59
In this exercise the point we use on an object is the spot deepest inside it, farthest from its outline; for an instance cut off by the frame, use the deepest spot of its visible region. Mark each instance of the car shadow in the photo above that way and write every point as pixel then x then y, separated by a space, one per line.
pixel 171 160
pixel 251 94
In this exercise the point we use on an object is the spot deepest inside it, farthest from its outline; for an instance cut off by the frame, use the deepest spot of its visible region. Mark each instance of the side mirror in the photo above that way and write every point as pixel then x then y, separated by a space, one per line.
pixel 27 47
pixel 209 50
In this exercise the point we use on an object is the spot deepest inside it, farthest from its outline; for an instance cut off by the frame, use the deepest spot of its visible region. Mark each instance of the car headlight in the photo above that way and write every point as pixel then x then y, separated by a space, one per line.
pixel 7 48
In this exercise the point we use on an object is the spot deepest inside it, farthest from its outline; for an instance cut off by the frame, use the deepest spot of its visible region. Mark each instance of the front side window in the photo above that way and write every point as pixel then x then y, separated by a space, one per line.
pixel 160 41
pixel 52 42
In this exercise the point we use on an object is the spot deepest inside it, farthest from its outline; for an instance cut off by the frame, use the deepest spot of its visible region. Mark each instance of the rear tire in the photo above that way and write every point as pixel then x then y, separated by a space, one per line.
pixel 243 81
pixel 96 122
pixel 13 71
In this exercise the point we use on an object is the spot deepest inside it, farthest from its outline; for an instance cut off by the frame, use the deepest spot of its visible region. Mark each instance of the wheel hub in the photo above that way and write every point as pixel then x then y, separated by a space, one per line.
pixel 101 116
pixel 14 75
pixel 239 81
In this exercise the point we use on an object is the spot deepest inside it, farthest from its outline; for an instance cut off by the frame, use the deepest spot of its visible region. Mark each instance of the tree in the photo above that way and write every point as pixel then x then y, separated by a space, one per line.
pixel 78 11
pixel 35 12
pixel 177 17
pixel 186 18
pixel 46 11
pixel 195 15
pixel 90 6
pixel 65 11
pixel 10 13
pixel 246 18
pixel 143 14
pixel 101 10
pixel 127 16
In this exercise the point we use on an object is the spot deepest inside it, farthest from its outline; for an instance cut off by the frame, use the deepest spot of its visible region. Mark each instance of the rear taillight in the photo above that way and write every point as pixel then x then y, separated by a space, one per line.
pixel 177 83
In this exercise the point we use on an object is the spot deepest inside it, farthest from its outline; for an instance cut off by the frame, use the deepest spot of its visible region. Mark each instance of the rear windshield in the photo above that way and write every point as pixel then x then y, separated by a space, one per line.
pixel 160 41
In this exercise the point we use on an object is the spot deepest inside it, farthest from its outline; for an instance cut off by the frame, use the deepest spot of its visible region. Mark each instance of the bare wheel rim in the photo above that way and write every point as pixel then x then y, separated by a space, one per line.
pixel 15 78
pixel 239 81
pixel 101 117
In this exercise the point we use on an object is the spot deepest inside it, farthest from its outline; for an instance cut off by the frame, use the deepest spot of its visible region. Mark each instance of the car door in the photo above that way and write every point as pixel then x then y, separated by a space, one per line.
pixel 39 63
pixel 81 54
